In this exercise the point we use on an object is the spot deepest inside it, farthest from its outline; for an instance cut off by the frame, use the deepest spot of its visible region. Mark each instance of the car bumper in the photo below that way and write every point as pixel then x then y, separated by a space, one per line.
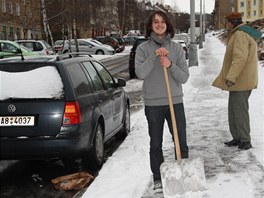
pixel 39 148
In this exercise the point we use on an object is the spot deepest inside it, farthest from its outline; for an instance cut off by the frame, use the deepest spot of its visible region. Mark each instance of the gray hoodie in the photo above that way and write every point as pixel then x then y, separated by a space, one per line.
pixel 148 67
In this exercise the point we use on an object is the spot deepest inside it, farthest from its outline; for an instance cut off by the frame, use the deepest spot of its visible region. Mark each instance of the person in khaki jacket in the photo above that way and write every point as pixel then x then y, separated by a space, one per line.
pixel 239 76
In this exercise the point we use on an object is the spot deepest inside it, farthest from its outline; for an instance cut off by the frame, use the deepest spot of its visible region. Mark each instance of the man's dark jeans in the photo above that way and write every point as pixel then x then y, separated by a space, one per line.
pixel 156 116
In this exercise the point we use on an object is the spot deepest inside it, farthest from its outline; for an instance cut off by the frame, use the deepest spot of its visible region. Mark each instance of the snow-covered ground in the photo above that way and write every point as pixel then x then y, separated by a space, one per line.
pixel 230 173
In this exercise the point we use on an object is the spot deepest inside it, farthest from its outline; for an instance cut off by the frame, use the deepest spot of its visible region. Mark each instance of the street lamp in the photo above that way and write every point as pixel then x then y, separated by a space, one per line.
pixel 193 60
pixel 201 27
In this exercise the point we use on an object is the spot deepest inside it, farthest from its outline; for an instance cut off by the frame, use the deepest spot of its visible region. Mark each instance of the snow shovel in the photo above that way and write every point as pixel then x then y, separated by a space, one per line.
pixel 182 175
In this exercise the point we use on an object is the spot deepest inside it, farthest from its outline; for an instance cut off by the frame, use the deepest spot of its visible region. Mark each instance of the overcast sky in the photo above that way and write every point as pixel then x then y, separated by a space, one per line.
pixel 184 5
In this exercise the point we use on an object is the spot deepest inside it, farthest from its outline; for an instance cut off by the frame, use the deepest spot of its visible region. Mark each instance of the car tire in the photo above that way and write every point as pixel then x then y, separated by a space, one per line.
pixel 100 52
pixel 95 157
pixel 126 125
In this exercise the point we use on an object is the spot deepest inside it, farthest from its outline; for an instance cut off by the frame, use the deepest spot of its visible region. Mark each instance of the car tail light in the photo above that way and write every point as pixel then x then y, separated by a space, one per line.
pixel 72 113
pixel 59 48
pixel 47 52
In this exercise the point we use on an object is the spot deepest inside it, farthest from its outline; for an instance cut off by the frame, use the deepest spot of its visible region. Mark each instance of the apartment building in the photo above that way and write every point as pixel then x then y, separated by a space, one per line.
pixel 20 19
pixel 251 10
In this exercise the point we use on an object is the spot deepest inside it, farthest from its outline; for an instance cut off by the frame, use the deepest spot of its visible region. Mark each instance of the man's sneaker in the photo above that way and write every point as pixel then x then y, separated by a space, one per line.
pixel 234 142
pixel 157 185
pixel 245 145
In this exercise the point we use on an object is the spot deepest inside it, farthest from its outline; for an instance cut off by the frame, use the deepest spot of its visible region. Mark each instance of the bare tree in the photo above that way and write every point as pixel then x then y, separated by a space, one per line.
pixel 45 22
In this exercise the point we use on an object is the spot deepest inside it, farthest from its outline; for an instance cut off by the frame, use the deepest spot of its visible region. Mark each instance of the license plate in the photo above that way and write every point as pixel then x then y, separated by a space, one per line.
pixel 17 120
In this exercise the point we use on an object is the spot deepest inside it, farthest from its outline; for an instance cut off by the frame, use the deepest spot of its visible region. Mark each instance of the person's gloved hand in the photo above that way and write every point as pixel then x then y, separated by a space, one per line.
pixel 229 83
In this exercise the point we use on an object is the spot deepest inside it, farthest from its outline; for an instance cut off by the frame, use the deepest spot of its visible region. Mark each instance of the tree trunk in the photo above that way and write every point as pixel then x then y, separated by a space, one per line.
pixel 45 23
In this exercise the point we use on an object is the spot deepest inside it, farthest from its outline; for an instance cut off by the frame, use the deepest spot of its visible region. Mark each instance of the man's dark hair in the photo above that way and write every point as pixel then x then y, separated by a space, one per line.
pixel 170 29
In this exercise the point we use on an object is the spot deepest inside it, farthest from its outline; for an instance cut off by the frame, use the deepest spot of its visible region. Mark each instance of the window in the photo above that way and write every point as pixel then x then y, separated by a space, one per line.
pixel 98 85
pixel 79 80
pixel 11 33
pixel 6 47
pixel 11 7
pixel 242 4
pixel 17 9
pixel 28 45
pixel 38 46
pixel 4 33
pixel 4 6
pixel 107 79
pixel 18 33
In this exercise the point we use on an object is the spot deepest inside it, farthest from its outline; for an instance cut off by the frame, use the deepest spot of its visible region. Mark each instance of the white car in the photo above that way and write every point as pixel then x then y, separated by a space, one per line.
pixel 184 46
pixel 89 46
pixel 39 46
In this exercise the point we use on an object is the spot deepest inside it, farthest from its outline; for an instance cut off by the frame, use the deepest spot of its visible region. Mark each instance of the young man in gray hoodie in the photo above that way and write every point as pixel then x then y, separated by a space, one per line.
pixel 151 56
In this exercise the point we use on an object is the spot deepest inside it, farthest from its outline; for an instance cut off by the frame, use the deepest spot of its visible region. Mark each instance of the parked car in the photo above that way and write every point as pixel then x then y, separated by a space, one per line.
pixel 58 46
pixel 184 46
pixel 64 106
pixel 85 45
pixel 11 49
pixel 131 65
pixel 121 43
pixel 184 37
pixel 39 46
pixel 130 40
pixel 109 41
pixel 98 42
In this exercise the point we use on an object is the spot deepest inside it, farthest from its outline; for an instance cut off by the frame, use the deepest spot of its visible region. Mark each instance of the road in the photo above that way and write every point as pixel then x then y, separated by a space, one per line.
pixel 31 179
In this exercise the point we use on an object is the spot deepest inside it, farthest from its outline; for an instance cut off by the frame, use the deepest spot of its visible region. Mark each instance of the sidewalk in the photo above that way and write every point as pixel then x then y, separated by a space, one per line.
pixel 230 173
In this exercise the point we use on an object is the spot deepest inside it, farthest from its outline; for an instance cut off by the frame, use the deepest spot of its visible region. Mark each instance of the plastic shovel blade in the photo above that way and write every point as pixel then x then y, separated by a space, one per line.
pixel 182 176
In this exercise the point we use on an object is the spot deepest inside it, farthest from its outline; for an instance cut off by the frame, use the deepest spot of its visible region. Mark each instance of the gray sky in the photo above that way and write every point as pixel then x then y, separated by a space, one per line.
pixel 184 5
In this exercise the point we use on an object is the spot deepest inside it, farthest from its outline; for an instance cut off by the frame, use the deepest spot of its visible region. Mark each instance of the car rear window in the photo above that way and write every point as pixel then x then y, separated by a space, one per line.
pixel 43 82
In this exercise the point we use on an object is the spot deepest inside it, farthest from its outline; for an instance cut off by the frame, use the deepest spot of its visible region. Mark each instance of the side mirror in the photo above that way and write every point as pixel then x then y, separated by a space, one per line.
pixel 121 82
pixel 19 51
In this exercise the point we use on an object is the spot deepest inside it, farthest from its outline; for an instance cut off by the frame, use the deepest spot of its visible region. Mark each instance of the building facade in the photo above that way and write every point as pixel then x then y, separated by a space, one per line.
pixel 251 10
pixel 20 19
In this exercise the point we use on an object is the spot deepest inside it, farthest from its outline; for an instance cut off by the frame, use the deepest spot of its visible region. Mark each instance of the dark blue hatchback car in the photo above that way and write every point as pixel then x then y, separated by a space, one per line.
pixel 63 106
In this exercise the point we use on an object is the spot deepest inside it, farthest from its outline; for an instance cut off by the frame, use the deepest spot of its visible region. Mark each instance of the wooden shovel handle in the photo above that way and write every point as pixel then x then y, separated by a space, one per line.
pixel 174 125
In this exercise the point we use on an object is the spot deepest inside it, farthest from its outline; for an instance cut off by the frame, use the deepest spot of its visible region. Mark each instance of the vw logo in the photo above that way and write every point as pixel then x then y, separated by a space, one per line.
pixel 11 108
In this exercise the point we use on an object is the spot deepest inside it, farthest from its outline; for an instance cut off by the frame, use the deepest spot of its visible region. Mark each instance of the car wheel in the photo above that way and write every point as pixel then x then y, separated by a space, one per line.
pixel 94 158
pixel 100 52
pixel 66 51
pixel 126 125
